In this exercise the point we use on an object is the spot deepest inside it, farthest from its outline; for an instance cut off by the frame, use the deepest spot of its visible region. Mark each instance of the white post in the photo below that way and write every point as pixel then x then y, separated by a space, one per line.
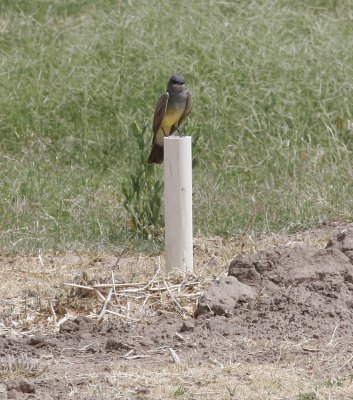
pixel 178 203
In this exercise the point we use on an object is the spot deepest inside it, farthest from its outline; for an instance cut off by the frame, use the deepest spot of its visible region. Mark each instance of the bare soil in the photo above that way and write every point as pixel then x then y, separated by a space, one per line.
pixel 270 324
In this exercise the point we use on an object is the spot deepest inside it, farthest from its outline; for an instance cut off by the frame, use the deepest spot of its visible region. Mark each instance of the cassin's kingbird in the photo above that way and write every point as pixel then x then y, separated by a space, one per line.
pixel 171 110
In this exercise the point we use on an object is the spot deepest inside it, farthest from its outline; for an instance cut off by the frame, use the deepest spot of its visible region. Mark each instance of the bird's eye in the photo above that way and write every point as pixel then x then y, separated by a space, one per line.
pixel 175 82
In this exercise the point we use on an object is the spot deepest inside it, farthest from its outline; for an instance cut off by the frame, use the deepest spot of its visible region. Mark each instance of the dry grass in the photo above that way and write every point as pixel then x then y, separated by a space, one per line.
pixel 34 294
pixel 31 285
pixel 24 366
pixel 233 381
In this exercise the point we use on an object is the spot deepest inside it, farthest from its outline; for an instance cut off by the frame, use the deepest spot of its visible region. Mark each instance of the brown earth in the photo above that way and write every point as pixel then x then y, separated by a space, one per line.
pixel 279 326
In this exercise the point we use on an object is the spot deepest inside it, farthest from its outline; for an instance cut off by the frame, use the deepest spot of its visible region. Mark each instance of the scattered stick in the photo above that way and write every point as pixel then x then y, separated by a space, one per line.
pixel 129 352
pixel 64 319
pixel 311 349
pixel 79 286
pixel 147 294
pixel 117 285
pixel 216 362
pixel 330 343
pixel 84 287
pixel 99 294
pixel 52 312
pixel 155 276
pixel 40 260
pixel 158 350
pixel 139 289
pixel 175 356
pixel 105 305
pixel 175 301
pixel 114 285
pixel 121 315
pixel 137 356
pixel 84 348
pixel 345 363
pixel 181 337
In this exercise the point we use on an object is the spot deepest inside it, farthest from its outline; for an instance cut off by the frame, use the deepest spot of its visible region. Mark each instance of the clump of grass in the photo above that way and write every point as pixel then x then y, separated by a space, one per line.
pixel 333 383
pixel 307 396
pixel 14 366
pixel 231 391
pixel 143 191
pixel 180 391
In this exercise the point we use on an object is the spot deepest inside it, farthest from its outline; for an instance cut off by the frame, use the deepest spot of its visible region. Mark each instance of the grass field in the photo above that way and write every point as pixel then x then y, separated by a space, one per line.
pixel 78 77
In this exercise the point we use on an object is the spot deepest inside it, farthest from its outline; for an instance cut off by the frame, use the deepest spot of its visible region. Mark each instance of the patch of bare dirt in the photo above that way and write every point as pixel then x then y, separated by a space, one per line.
pixel 281 310
pixel 289 292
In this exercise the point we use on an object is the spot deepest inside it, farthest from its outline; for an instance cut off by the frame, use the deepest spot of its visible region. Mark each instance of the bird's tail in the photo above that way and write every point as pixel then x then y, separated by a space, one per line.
pixel 156 155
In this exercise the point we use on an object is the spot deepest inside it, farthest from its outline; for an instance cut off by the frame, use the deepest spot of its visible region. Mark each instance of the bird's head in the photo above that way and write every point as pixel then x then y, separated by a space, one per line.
pixel 176 82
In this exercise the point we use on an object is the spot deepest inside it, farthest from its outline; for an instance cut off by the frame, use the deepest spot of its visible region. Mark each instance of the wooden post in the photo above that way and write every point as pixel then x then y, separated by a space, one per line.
pixel 178 203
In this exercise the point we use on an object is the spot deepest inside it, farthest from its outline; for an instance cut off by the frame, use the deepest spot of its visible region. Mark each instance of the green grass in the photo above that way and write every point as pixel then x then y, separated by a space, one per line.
pixel 307 396
pixel 268 78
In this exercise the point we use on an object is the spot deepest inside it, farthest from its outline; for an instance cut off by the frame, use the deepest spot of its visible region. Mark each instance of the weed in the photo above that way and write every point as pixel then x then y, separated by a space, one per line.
pixel 143 190
pixel 180 391
pixel 333 382
pixel 231 391
pixel 12 366
pixel 307 396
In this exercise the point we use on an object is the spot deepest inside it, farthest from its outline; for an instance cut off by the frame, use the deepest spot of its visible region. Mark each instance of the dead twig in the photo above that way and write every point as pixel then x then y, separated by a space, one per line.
pixel 175 301
pixel 175 356
pixel 105 305
pixel 117 285
pixel 137 356
pixel 330 343
pixel 146 286
pixel 155 275
pixel 141 289
pixel 99 294
pixel 129 353
pixel 147 294
pixel 84 287
pixel 84 348
pixel 52 312
pixel 345 363
pixel 121 315
pixel 114 284
pixel 178 335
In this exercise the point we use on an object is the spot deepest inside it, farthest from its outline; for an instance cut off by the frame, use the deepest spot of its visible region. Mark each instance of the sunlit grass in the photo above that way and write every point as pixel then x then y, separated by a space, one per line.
pixel 268 78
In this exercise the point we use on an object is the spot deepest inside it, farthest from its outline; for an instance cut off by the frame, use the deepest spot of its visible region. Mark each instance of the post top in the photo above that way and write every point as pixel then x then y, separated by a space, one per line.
pixel 177 137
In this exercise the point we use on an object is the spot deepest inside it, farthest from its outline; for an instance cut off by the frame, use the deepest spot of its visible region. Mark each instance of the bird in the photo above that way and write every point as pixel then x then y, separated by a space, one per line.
pixel 171 110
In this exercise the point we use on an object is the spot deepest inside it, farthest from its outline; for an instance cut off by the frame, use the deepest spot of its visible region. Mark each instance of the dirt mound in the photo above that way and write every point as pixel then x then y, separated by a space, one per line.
pixel 224 296
pixel 299 290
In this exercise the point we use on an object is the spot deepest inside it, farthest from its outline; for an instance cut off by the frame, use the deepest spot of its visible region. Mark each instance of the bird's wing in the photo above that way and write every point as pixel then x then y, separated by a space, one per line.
pixel 187 109
pixel 186 112
pixel 159 112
